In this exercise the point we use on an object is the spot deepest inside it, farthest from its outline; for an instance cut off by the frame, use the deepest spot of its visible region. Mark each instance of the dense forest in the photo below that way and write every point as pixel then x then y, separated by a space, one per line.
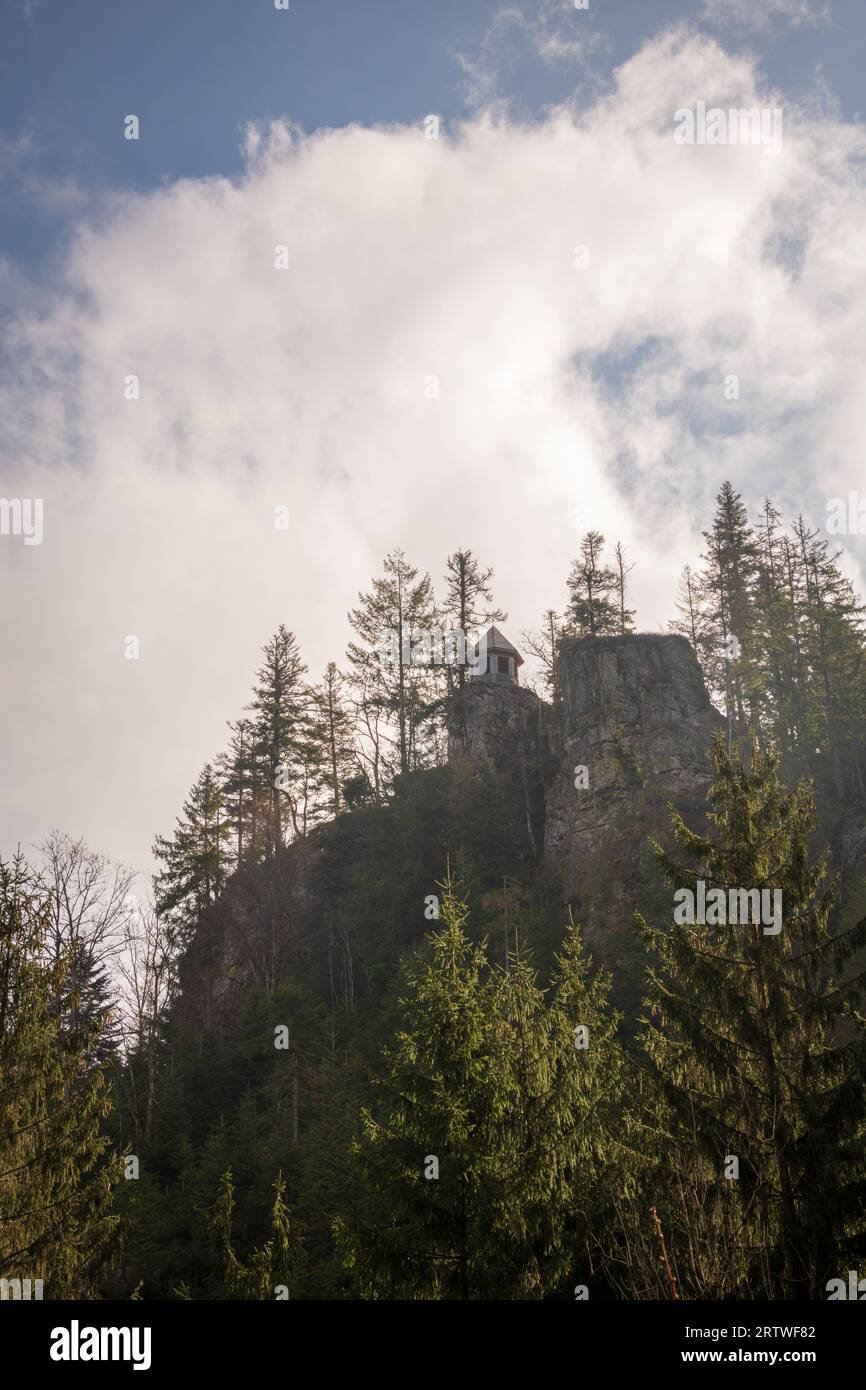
pixel 428 1085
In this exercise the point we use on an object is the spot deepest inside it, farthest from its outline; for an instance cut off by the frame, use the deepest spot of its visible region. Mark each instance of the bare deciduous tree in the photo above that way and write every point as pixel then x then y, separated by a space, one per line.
pixel 90 898
pixel 90 905
pixel 148 970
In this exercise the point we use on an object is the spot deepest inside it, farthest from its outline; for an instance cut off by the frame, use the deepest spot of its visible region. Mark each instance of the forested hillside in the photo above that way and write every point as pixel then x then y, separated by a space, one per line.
pixel 412 1014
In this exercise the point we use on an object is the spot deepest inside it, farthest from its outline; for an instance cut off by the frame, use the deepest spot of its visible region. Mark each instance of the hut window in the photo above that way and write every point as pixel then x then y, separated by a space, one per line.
pixel 502 663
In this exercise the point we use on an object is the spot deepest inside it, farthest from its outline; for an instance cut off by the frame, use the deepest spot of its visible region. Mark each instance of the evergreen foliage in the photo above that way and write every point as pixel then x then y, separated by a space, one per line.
pixel 758 1051
pixel 57 1174
pixel 491 1130
pixel 558 1164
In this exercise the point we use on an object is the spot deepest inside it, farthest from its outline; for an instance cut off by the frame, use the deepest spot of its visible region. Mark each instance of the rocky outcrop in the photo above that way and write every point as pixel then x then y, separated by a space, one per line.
pixel 336 909
pixel 496 722
pixel 634 712
pixel 503 727
pixel 637 716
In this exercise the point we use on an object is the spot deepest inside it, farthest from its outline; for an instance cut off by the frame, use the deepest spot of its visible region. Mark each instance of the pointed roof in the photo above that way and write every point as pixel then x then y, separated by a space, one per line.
pixel 498 642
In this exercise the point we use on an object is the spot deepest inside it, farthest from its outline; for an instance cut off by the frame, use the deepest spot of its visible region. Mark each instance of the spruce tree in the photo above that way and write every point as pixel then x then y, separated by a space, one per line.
pixel 777 688
pixel 334 729
pixel 421 1155
pixel 241 791
pixel 729 588
pixel 560 1071
pixel 87 1004
pixel 194 857
pixel 392 671
pixel 90 900
pixel 468 599
pixel 57 1174
pixel 833 641
pixel 592 609
pixel 757 1053
pixel 485 1155
pixel 279 708
pixel 271 1271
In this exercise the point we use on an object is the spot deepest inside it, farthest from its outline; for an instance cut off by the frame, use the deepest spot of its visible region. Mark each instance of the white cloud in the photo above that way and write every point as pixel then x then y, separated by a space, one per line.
pixel 567 398
pixel 552 30
pixel 763 14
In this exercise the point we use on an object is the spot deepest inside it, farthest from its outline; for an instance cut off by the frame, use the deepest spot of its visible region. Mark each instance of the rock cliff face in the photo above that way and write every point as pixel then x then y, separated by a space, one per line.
pixel 504 726
pixel 498 722
pixel 636 715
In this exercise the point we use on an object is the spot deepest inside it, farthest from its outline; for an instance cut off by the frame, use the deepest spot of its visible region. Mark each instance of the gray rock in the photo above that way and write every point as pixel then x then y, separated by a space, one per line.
pixel 637 715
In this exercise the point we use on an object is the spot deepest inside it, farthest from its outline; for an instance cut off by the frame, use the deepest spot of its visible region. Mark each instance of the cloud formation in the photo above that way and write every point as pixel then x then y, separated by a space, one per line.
pixel 552 30
pixel 433 369
pixel 763 14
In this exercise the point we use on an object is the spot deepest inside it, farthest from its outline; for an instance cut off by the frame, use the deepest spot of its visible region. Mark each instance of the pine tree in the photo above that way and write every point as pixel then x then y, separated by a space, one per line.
pixel 729 592
pixel 486 1152
pixel 777 691
pixel 325 1163
pixel 90 909
pixel 272 1270
pixel 242 792
pixel 799 741
pixel 468 599
pixel 194 858
pixel 758 1053
pixel 308 804
pixel 334 724
pixel 87 1005
pixel 386 671
pixel 592 610
pixel 279 708
pixel 433 1103
pixel 560 1074
pixel 56 1172
pixel 780 636
pixel 833 641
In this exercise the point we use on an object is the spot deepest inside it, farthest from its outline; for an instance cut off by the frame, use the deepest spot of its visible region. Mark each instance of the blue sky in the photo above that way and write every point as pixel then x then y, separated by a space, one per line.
pixel 196 71
pixel 435 367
